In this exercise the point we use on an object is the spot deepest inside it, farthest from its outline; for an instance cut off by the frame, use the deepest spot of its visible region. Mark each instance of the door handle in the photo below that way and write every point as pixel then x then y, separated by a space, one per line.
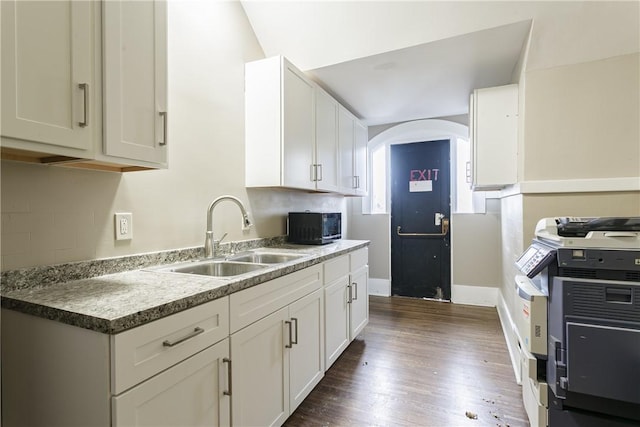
pixel 290 345
pixel 84 87
pixel 444 229
pixel 230 390
pixel 164 141
pixel 295 335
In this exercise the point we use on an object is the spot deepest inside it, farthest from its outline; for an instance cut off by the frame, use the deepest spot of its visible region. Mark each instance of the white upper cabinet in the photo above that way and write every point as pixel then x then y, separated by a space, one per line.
pixel 135 79
pixel 493 116
pixel 326 162
pixel 48 82
pixel 279 125
pixel 353 138
pixel 293 132
pixel 85 83
pixel 361 139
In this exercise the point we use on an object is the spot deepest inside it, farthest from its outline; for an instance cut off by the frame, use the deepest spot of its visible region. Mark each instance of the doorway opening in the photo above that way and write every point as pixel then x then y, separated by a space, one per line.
pixel 420 220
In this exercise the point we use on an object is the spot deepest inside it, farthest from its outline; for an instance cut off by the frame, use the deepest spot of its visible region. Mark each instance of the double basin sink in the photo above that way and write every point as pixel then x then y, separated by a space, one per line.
pixel 234 265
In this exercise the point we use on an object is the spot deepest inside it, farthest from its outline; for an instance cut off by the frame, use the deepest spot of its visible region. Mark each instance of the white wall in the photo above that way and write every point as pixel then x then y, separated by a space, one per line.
pixel 53 215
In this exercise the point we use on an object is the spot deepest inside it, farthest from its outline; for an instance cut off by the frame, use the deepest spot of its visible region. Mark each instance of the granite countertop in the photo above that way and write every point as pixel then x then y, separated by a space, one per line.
pixel 113 303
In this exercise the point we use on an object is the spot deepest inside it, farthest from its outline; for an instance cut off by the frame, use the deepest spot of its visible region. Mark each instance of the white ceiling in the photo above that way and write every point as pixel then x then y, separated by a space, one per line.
pixel 429 80
pixel 393 61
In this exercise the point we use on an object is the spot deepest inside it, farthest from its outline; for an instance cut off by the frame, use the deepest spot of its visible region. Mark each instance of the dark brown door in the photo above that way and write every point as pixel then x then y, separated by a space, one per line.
pixel 420 212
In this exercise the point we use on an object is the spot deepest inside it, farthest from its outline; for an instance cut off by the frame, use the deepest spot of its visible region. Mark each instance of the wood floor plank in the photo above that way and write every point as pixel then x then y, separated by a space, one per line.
pixel 419 363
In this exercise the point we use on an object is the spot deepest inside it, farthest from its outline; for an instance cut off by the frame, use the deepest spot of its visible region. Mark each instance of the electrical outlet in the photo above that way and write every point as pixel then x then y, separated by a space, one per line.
pixel 124 226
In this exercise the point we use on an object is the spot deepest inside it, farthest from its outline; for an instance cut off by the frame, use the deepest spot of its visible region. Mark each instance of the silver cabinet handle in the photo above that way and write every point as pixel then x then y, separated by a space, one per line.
pixel 468 177
pixel 196 331
pixel 313 172
pixel 349 299
pixel 164 141
pixel 355 286
pixel 229 391
pixel 295 339
pixel 84 87
pixel 319 166
pixel 288 323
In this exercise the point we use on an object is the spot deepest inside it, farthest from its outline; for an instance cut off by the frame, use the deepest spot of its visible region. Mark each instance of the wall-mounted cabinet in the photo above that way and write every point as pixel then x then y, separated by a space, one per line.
pixel 352 141
pixel 293 133
pixel 493 114
pixel 85 83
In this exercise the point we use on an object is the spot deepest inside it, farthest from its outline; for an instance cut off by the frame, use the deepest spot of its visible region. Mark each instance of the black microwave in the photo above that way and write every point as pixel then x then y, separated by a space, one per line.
pixel 314 228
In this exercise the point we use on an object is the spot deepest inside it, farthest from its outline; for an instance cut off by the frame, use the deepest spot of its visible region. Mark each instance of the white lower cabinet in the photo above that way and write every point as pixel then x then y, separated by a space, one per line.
pixel 278 359
pixel 346 301
pixel 171 371
pixel 359 305
pixel 195 392
pixel 336 302
pixel 246 360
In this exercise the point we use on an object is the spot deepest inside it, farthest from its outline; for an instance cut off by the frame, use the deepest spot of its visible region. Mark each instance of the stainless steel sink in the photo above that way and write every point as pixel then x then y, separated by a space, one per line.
pixel 265 257
pixel 215 268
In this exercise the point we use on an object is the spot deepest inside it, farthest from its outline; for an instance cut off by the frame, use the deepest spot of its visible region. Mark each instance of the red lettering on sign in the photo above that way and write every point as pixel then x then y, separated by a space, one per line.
pixel 423 175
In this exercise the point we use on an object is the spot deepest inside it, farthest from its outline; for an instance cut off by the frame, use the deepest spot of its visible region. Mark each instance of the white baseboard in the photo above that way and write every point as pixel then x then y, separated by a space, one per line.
pixel 510 336
pixel 380 287
pixel 484 296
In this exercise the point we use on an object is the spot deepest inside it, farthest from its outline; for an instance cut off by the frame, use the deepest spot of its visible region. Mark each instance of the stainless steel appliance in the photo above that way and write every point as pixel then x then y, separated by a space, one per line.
pixel 314 228
pixel 588 270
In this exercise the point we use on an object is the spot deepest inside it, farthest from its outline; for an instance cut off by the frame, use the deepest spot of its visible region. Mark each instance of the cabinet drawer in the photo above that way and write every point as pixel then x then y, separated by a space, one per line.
pixel 139 353
pixel 359 258
pixel 259 301
pixel 336 268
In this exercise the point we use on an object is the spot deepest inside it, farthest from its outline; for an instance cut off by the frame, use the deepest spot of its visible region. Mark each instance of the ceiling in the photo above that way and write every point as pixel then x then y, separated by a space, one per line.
pixel 427 80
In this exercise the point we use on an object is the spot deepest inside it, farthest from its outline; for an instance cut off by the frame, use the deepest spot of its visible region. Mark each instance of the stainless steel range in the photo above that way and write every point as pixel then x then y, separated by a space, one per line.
pixel 578 322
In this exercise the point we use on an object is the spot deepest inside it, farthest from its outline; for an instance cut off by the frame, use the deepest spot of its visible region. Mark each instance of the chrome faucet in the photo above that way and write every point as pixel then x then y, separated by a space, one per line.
pixel 209 242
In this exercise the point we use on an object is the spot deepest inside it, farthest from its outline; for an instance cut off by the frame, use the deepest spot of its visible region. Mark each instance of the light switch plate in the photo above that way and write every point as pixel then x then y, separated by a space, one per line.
pixel 123 224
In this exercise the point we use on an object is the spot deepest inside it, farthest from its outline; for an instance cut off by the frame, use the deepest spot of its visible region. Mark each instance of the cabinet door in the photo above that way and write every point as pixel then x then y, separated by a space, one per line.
pixel 135 79
pixel 306 360
pixel 189 394
pixel 494 136
pixel 346 134
pixel 261 372
pixel 359 314
pixel 47 72
pixel 336 317
pixel 297 129
pixel 360 141
pixel 326 142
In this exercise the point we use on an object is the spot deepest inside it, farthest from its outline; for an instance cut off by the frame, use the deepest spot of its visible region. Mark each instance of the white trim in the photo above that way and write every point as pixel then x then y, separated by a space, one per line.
pixel 484 296
pixel 379 287
pixel 510 335
pixel 420 130
pixel 574 186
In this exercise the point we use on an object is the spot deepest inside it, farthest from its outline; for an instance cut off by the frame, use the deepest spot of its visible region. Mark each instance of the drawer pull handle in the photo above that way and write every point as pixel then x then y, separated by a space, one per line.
pixel 350 295
pixel 228 392
pixel 354 285
pixel 196 331
pixel 288 323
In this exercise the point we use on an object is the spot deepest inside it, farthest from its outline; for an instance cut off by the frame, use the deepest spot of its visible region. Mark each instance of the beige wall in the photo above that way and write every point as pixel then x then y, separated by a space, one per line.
pixel 52 215
pixel 582 120
pixel 475 249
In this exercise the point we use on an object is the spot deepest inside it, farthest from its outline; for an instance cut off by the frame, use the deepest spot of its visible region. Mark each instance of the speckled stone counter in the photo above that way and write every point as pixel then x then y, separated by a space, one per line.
pixel 113 303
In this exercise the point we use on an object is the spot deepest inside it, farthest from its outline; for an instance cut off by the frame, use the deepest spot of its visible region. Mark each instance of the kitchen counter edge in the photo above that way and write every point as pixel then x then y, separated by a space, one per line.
pixel 36 302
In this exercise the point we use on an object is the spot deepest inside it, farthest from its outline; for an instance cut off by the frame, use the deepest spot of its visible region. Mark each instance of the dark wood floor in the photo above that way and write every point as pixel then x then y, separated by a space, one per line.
pixel 419 363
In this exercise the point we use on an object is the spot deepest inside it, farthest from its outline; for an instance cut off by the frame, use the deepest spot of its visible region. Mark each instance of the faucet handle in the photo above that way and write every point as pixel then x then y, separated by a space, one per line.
pixel 221 239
